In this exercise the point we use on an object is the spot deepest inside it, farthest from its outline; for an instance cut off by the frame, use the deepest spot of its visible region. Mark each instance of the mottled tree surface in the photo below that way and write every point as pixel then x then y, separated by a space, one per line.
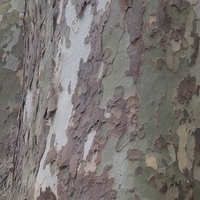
pixel 11 79
pixel 104 103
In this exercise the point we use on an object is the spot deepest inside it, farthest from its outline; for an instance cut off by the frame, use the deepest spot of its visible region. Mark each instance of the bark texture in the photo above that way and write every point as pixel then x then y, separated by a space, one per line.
pixel 110 100
pixel 11 79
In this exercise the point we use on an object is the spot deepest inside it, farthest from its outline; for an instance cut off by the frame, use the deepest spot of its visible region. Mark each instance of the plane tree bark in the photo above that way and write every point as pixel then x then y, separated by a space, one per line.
pixel 110 101
pixel 11 74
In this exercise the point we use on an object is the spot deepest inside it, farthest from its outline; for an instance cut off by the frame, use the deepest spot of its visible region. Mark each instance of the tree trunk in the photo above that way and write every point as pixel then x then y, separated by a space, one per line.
pixel 109 104
pixel 11 80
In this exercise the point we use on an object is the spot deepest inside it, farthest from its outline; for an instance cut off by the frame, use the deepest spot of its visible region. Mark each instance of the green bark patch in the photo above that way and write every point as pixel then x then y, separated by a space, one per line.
pixel 13 17
pixel 4 7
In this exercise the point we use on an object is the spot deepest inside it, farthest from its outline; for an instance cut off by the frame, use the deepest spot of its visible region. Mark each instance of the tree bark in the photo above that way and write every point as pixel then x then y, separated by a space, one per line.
pixel 109 105
pixel 11 79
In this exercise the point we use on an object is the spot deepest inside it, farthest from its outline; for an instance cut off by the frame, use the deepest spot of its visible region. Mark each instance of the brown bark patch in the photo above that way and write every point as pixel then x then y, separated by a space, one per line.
pixel 186 89
pixel 134 154
pixel 160 142
pixel 163 188
pixel 47 195
pixel 158 63
pixel 138 170
pixel 134 51
pixel 137 197
pixel 152 181
pixel 65 154
pixel 195 47
pixel 180 4
pixel 73 165
pixel 176 113
pixel 125 4
pixel 80 5
pixel 134 20
pixel 51 156
pixel 197 140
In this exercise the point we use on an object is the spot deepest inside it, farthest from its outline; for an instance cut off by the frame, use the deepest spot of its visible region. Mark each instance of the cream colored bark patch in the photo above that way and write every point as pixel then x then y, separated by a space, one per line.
pixel 88 144
pixel 172 152
pixel 28 111
pixel 20 75
pixel 152 19
pixel 172 193
pixel 176 45
pixel 172 60
pixel 190 151
pixel 151 162
pixel 91 166
pixel 100 71
pixel 197 172
pixel 182 154
pixel 196 8
pixel 193 1
pixel 107 115
pixel 102 4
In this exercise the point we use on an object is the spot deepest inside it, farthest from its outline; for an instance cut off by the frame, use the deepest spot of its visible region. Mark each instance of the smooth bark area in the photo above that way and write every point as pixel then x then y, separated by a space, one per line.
pixel 99 100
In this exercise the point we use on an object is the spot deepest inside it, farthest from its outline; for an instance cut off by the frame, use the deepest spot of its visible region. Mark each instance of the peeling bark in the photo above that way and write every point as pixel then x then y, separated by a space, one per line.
pixel 102 100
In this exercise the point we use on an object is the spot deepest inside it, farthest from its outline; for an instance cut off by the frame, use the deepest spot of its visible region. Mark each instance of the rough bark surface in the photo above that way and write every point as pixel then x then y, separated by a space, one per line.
pixel 109 100
pixel 11 80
